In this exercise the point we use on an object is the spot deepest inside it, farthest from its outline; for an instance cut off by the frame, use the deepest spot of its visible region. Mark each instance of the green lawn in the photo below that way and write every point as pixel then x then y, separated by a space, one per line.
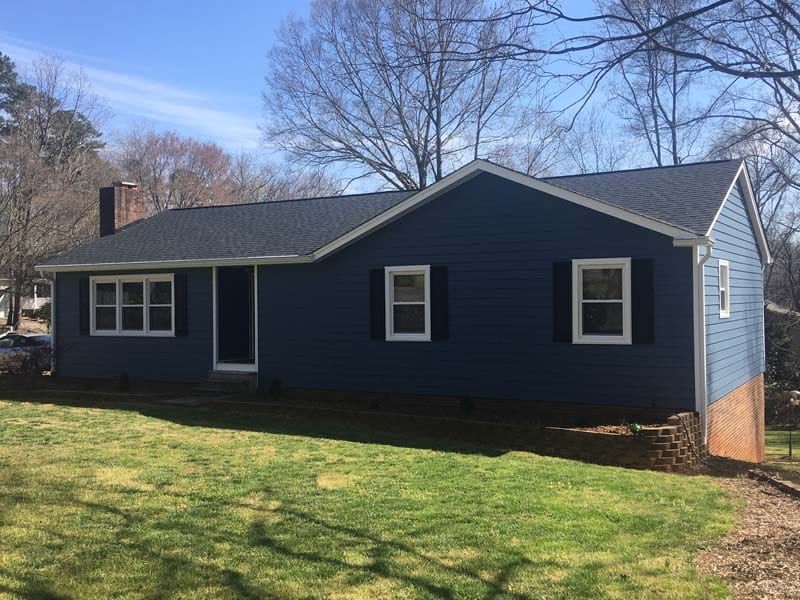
pixel 778 453
pixel 189 503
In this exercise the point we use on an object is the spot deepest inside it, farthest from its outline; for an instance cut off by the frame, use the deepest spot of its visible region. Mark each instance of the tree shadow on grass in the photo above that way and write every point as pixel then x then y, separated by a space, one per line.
pixel 317 557
pixel 442 435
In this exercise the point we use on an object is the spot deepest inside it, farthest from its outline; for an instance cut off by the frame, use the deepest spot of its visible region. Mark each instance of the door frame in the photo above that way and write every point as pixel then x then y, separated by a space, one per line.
pixel 235 367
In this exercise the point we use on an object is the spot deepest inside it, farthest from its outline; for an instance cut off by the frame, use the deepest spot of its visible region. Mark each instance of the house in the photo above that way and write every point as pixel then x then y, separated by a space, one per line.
pixel 634 292
pixel 36 296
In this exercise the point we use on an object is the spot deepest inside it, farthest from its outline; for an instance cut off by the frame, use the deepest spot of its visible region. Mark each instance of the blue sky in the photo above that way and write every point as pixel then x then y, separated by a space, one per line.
pixel 195 67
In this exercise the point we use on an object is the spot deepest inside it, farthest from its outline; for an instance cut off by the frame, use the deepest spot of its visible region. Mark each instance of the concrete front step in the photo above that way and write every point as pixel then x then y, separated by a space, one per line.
pixel 226 383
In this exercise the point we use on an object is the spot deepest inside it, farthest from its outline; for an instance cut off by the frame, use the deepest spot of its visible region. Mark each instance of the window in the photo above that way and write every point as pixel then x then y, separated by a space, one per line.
pixel 601 306
pixel 133 305
pixel 408 314
pixel 724 289
pixel 105 306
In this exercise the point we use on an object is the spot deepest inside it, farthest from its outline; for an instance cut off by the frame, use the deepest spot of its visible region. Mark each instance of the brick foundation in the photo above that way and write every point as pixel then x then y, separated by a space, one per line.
pixel 527 412
pixel 736 423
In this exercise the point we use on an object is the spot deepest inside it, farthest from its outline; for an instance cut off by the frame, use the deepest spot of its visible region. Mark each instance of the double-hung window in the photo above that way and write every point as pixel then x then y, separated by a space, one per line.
pixel 105 306
pixel 724 289
pixel 601 304
pixel 133 305
pixel 408 304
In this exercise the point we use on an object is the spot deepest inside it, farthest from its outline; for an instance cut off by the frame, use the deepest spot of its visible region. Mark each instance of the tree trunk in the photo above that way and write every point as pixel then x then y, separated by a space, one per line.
pixel 17 312
pixel 11 308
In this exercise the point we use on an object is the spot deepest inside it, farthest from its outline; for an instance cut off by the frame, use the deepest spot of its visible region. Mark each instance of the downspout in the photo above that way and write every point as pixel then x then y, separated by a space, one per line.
pixel 699 284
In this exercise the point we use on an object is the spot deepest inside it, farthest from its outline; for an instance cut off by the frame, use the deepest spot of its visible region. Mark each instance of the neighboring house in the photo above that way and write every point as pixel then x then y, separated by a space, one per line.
pixel 636 292
pixel 36 297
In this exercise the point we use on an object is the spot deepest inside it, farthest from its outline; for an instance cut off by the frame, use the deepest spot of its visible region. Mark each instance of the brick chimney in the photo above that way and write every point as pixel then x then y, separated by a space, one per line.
pixel 120 204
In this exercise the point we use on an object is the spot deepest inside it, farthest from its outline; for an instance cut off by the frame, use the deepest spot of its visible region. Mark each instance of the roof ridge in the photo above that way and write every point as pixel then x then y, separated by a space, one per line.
pixel 341 196
pixel 691 164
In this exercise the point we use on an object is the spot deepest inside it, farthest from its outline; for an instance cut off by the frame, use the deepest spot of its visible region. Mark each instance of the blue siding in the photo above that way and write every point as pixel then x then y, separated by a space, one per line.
pixel 499 240
pixel 176 358
pixel 734 346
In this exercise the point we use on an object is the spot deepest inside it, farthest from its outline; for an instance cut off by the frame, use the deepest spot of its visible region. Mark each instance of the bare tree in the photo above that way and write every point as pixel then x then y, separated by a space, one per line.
pixel 361 85
pixel 535 147
pixel 252 180
pixel 658 93
pixel 173 171
pixel 775 175
pixel 48 157
pixel 588 147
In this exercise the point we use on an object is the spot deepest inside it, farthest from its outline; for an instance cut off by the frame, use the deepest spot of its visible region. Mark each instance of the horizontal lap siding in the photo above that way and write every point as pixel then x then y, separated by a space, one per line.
pixel 157 358
pixel 734 346
pixel 499 241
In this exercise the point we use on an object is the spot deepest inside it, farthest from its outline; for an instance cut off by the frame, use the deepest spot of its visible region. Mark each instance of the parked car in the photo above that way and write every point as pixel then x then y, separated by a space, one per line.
pixel 34 347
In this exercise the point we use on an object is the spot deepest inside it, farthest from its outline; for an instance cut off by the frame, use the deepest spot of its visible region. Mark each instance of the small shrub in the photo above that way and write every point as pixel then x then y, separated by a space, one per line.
pixel 635 428
pixel 16 364
pixel 42 313
pixel 20 367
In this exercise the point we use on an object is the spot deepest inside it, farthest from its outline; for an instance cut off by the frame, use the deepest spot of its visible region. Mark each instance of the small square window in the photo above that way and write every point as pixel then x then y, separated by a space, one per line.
pixel 408 304
pixel 106 318
pixel 106 294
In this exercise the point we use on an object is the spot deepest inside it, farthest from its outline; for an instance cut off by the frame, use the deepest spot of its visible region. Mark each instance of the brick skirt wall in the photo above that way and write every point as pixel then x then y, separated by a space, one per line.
pixel 557 414
pixel 736 423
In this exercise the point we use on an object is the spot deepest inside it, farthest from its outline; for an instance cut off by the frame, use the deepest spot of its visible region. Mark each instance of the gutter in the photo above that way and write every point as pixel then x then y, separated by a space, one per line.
pixel 699 323
pixel 179 264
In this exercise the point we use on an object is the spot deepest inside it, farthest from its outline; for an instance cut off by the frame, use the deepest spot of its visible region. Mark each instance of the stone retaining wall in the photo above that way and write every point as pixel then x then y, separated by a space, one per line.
pixel 674 446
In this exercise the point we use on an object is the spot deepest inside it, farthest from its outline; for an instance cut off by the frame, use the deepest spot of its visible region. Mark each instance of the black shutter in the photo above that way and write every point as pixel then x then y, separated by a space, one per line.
pixel 562 301
pixel 83 305
pixel 643 314
pixel 181 309
pixel 440 304
pixel 377 306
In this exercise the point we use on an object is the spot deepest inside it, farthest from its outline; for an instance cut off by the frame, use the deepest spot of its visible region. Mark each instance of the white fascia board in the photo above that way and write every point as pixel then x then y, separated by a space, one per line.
pixel 752 210
pixel 178 264
pixel 705 240
pixel 481 166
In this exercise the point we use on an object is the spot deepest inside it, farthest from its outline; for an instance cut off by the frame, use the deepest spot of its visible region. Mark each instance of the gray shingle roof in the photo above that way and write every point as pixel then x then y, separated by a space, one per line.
pixel 687 196
pixel 283 228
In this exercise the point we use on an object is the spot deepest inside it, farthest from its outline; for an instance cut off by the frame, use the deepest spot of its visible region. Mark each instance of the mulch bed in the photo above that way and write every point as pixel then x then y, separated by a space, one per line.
pixel 618 429
pixel 760 558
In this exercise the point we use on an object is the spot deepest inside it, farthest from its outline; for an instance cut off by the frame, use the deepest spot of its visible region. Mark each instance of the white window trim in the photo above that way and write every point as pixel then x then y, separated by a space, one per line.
pixel 724 311
pixel 424 270
pixel 119 280
pixel 578 265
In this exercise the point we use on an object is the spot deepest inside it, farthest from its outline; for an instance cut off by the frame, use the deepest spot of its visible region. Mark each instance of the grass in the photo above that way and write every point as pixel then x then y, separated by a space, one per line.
pixel 156 502
pixel 777 447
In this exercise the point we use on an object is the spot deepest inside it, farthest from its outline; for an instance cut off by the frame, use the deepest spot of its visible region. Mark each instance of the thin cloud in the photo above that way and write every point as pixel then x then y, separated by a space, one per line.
pixel 140 98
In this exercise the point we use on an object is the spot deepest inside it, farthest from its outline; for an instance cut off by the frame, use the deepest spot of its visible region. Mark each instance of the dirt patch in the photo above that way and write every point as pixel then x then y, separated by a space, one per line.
pixel 123 477
pixel 760 558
